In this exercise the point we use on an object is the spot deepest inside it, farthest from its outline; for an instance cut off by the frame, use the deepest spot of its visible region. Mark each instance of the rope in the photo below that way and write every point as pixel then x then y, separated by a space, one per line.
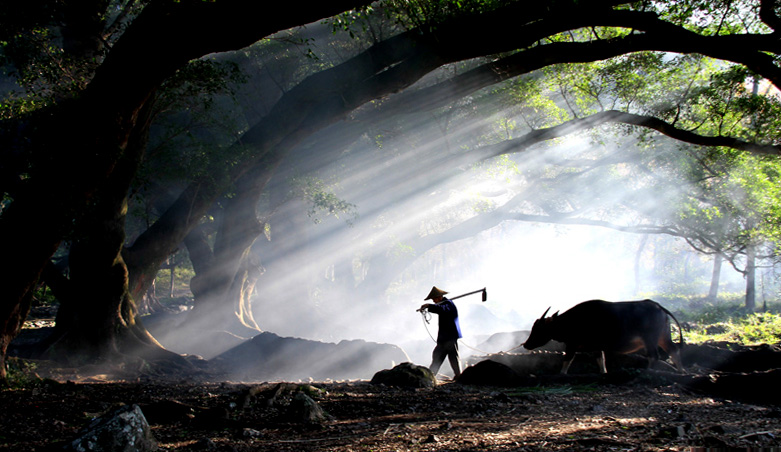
pixel 427 319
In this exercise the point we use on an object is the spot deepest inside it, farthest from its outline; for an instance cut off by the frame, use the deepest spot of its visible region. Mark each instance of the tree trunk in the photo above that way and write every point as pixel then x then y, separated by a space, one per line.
pixel 96 126
pixel 12 321
pixel 713 293
pixel 638 258
pixel 171 282
pixel 243 288
pixel 227 275
pixel 751 272
pixel 99 319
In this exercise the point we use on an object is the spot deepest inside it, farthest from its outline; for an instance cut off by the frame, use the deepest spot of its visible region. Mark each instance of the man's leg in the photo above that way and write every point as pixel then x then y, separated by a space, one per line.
pixel 437 358
pixel 455 360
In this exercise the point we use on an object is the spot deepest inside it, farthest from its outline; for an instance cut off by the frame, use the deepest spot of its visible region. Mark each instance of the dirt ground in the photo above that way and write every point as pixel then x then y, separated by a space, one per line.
pixel 199 413
pixel 188 416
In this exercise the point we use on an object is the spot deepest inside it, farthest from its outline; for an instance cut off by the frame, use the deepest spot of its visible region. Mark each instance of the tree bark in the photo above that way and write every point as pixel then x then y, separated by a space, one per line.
pixel 226 274
pixel 98 321
pixel 96 127
pixel 751 274
pixel 713 293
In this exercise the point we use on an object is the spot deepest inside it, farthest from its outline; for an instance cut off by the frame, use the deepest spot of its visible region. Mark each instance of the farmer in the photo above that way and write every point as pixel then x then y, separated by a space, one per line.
pixel 449 331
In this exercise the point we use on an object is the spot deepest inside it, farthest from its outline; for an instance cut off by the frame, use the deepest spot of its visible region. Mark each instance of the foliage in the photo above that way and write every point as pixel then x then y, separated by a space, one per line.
pixel 399 250
pixel 735 16
pixel 44 297
pixel 182 276
pixel 735 207
pixel 51 49
pixel 349 20
pixel 751 329
pixel 726 319
pixel 42 70
pixel 718 199
pixel 426 13
pixel 323 202
pixel 21 374
pixel 195 122
pixel 698 310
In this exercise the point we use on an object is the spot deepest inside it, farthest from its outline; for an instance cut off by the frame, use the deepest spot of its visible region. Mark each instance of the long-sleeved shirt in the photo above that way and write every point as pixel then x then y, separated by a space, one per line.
pixel 449 328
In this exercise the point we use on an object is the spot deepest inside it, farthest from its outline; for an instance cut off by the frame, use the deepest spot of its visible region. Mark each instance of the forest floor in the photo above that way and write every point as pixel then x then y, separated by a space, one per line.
pixel 193 413
pixel 188 416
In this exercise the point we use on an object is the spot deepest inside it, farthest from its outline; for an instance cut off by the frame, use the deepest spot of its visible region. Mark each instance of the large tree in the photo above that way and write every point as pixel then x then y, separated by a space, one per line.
pixel 75 146
pixel 521 38
pixel 445 44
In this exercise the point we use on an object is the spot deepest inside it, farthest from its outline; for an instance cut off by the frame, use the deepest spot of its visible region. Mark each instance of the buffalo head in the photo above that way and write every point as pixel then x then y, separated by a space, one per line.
pixel 541 332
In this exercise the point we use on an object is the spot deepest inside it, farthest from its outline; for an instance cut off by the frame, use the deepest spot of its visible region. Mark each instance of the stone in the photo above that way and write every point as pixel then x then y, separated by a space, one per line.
pixel 122 430
pixel 304 409
pixel 489 373
pixel 406 375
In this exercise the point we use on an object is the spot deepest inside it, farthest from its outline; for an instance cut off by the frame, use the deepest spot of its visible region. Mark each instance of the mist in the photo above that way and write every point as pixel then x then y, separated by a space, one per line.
pixel 525 266
pixel 424 213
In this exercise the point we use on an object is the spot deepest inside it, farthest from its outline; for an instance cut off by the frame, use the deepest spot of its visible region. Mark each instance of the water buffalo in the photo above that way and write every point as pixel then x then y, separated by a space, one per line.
pixel 598 325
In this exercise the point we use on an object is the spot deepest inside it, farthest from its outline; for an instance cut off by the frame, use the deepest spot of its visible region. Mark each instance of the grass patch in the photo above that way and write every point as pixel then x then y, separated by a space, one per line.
pixel 749 329
pixel 723 320
pixel 182 277
pixel 21 374
pixel 558 390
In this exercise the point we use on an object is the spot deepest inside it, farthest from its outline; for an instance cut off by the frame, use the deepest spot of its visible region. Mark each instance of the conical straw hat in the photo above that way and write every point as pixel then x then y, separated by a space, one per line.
pixel 435 293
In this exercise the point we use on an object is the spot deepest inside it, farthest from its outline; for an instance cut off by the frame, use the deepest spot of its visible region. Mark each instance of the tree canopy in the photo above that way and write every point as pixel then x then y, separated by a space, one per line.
pixel 203 111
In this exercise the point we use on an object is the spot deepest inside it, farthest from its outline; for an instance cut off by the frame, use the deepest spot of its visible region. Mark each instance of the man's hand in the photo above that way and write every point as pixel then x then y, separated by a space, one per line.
pixel 424 307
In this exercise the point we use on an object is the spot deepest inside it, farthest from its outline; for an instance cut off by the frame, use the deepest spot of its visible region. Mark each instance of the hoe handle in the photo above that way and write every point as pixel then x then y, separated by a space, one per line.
pixel 470 293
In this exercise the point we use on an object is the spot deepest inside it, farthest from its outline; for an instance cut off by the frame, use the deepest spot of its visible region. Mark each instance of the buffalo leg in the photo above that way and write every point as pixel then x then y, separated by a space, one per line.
pixel 601 362
pixel 568 357
pixel 675 354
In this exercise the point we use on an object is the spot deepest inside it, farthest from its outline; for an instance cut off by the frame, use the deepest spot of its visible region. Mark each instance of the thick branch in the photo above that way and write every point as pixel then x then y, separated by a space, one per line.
pixel 768 14
pixel 529 60
pixel 613 116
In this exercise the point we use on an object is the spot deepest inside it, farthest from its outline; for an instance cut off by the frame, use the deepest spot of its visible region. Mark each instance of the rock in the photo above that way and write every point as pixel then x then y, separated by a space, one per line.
pixel 205 444
pixel 431 439
pixel 251 433
pixel 167 411
pixel 489 373
pixel 305 410
pixel 739 359
pixel 406 375
pixel 754 387
pixel 123 430
pixel 212 417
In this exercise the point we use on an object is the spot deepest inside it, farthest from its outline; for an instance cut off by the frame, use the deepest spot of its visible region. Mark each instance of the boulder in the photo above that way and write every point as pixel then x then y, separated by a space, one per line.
pixel 122 430
pixel 406 375
pixel 489 373
pixel 732 358
pixel 304 409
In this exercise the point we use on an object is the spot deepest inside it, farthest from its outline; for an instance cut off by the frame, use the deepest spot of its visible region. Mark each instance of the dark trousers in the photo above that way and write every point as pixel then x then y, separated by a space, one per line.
pixel 447 349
